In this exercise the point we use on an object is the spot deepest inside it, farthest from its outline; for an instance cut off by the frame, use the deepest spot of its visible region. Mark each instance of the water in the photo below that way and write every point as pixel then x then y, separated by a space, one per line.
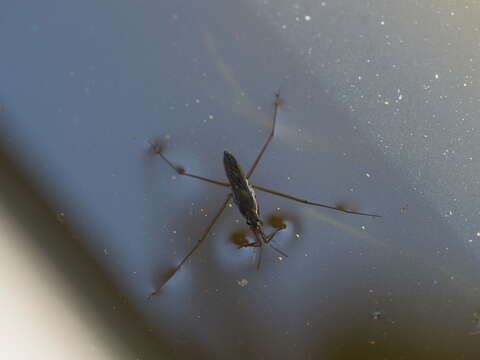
pixel 376 117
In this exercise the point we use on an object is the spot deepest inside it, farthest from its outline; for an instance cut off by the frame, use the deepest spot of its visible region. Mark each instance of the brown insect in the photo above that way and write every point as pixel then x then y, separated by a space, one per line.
pixel 244 197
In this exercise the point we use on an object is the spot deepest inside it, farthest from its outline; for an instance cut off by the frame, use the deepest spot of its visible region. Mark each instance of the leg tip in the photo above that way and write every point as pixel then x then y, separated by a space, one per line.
pixel 156 147
pixel 278 99
pixel 152 294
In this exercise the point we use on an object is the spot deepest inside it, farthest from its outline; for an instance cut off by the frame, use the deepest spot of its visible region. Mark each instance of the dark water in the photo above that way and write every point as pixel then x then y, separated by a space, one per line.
pixel 379 115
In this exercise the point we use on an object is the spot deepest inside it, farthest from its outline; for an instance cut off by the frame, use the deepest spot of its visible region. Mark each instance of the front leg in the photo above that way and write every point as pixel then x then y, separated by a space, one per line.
pixel 271 236
pixel 250 244
pixel 157 149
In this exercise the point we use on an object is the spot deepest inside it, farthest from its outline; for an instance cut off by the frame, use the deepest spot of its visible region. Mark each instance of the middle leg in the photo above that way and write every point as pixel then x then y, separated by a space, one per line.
pixel 157 149
pixel 259 156
pixel 286 196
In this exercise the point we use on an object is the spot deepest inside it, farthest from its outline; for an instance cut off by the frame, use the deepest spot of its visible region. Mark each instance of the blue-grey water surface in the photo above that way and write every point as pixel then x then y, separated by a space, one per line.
pixel 380 113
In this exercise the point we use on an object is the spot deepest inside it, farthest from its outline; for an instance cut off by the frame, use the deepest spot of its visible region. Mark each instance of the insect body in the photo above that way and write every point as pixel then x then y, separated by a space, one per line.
pixel 244 197
pixel 243 194
pixel 246 201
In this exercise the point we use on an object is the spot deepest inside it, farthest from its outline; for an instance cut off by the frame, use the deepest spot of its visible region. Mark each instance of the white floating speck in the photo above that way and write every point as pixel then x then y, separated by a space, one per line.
pixel 243 282
pixel 60 216
pixel 307 18
pixel 376 315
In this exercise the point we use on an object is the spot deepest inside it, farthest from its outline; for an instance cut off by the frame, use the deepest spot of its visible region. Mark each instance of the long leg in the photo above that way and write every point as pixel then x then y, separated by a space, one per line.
pixel 181 171
pixel 309 202
pixel 250 244
pixel 259 245
pixel 197 245
pixel 260 251
pixel 259 156
pixel 269 238
pixel 278 250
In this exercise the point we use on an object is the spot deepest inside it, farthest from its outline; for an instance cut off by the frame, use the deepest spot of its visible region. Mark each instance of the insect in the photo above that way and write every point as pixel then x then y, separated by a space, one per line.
pixel 244 197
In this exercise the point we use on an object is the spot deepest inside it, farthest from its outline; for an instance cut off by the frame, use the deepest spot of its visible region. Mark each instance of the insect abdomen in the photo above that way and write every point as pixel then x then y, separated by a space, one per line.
pixel 243 194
